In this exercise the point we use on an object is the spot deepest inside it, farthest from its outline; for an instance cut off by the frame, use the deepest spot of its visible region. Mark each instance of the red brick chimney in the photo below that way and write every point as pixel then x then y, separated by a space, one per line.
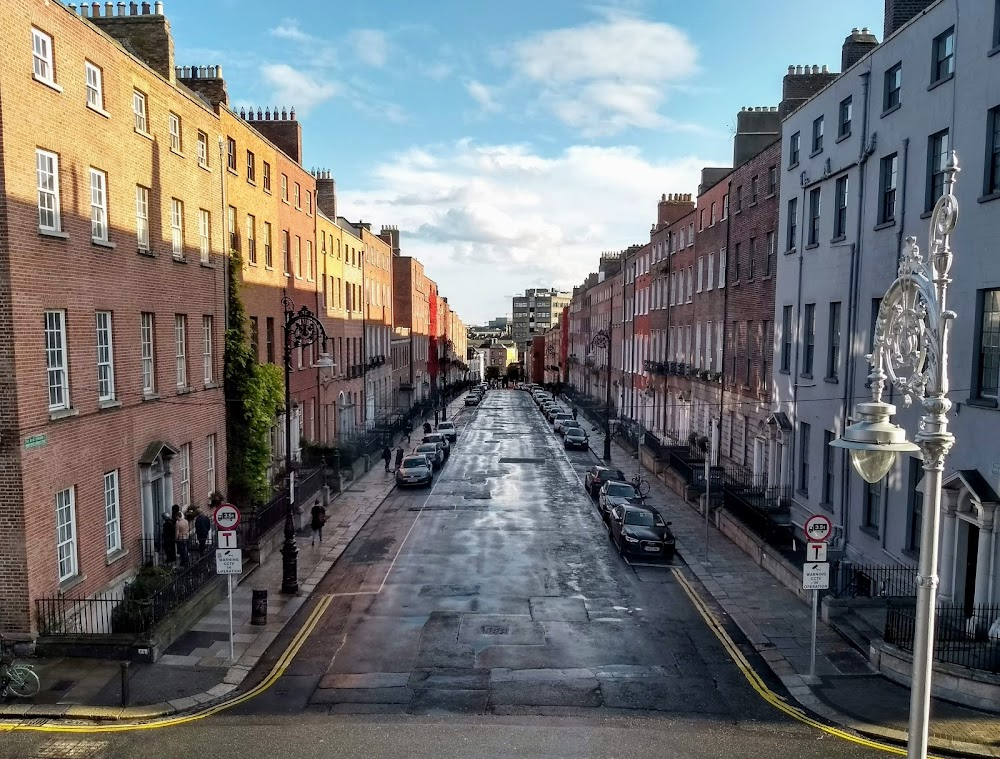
pixel 280 128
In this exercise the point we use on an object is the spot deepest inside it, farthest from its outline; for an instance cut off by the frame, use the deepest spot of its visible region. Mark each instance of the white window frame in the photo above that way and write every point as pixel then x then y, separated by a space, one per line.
pixel 98 205
pixel 142 216
pixel 722 268
pixel 177 227
pixel 207 330
pixel 147 340
pixel 180 349
pixel 43 65
pixel 112 514
pixel 56 359
pixel 104 325
pixel 67 562
pixel 47 180
pixel 251 239
pixel 202 149
pixel 184 476
pixel 204 234
pixel 95 86
pixel 701 273
pixel 140 112
pixel 710 276
pixel 174 127
pixel 210 463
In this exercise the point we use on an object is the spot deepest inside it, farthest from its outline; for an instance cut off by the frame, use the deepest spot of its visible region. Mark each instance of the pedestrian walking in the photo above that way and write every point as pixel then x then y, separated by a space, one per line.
pixel 318 519
pixel 399 457
pixel 182 533
pixel 386 457
pixel 202 526
pixel 427 428
pixel 574 412
pixel 408 430
pixel 167 539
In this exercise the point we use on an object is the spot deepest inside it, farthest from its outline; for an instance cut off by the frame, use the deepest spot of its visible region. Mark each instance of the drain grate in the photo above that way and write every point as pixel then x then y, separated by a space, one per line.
pixel 494 629
pixel 70 748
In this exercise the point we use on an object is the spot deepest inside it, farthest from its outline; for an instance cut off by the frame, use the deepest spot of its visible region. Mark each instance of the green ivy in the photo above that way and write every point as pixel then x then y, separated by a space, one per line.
pixel 254 394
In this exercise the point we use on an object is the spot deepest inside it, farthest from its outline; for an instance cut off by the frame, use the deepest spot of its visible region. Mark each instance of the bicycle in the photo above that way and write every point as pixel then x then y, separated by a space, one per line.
pixel 641 485
pixel 18 679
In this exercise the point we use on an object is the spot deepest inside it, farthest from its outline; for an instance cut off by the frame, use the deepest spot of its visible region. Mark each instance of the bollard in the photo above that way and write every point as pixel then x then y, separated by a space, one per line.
pixel 258 607
pixel 124 674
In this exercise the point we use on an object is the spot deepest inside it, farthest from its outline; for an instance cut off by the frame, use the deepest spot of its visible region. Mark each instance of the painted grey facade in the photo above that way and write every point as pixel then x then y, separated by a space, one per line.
pixel 535 312
pixel 851 192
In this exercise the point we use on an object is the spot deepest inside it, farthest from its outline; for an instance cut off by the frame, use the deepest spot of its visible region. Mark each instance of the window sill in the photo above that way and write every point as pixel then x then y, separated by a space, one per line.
pixel 812 246
pixel 232 171
pixel 887 111
pixel 843 137
pixel 251 182
pixel 792 166
pixel 832 380
pixel 910 553
pixel 63 413
pixel 982 402
pixel 205 167
pixel 268 268
pixel 177 153
pixel 139 132
pixel 184 390
pixel 71 582
pixel 206 264
pixel 179 258
pixel 103 243
pixel 150 397
pixel 784 371
pixel 815 153
pixel 146 252
pixel 753 203
pixel 801 492
pixel 115 556
pixel 737 212
pixel 806 375
pixel 110 403
pixel 941 81
pixel 267 190
pixel 988 198
pixel 54 233
pixel 994 51
pixel 47 82
pixel 926 215
pixel 99 111
pixel 770 195
pixel 884 225
pixel 211 385
pixel 840 238
pixel 790 251
pixel 825 505
pixel 870 531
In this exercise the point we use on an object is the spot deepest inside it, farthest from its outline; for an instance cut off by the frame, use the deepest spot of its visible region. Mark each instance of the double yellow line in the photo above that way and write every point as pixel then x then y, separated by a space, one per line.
pixel 155 724
pixel 758 684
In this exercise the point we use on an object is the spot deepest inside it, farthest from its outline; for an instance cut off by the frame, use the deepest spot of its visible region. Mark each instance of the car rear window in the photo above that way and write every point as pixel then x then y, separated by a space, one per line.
pixel 620 489
pixel 412 461
pixel 640 518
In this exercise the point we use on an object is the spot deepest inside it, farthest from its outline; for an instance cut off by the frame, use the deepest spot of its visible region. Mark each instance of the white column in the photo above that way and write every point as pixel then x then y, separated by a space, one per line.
pixel 949 538
pixel 168 485
pixel 984 557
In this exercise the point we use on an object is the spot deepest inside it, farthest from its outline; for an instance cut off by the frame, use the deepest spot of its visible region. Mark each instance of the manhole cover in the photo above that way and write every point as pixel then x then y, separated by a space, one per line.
pixel 521 461
pixel 494 629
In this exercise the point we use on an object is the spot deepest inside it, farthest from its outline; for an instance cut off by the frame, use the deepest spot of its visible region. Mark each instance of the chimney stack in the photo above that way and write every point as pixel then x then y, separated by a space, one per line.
pixel 206 81
pixel 326 192
pixel 898 12
pixel 858 44
pixel 756 128
pixel 800 84
pixel 144 31
pixel 280 128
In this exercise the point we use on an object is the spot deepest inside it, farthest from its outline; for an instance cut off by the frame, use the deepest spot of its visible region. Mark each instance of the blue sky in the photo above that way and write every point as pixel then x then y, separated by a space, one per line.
pixel 512 142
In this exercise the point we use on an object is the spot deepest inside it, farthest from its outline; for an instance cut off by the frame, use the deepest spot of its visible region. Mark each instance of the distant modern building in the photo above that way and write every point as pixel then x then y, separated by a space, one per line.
pixel 536 311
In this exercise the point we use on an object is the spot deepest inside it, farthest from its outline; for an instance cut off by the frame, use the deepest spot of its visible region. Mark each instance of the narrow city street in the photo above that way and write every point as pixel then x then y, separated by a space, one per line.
pixel 491 616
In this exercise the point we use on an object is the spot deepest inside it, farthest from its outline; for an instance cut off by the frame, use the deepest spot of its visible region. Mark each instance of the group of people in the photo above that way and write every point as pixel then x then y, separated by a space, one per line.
pixel 175 532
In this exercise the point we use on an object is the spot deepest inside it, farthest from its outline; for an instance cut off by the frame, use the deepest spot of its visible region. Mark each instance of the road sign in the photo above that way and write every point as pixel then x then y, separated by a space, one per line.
pixel 229 561
pixel 816 576
pixel 814 552
pixel 227 539
pixel 818 528
pixel 226 516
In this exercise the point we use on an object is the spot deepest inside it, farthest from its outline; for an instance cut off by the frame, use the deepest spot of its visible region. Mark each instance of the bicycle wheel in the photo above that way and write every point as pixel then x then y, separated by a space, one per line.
pixel 24 682
pixel 643 487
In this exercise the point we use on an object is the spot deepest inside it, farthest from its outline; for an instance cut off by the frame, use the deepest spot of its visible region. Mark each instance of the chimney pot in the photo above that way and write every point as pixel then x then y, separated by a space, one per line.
pixel 825 69
pixel 133 8
pixel 854 30
pixel 218 72
pixel 284 115
pixel 145 9
pixel 158 8
pixel 258 113
pixel 109 9
pixel 791 69
pixel 95 10
pixel 72 7
pixel 84 10
pixel 121 9
pixel 292 114
pixel 203 71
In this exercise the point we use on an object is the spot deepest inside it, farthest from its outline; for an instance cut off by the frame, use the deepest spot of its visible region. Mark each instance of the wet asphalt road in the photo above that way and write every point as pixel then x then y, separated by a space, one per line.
pixel 491 616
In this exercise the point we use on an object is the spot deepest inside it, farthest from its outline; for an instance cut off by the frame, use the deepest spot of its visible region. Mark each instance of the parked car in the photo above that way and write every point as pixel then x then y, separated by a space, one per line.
pixel 597 475
pixel 433 452
pixel 448 430
pixel 414 470
pixel 551 411
pixel 614 493
pixel 437 437
pixel 576 438
pixel 641 531
pixel 559 419
pixel 567 424
pixel 472 400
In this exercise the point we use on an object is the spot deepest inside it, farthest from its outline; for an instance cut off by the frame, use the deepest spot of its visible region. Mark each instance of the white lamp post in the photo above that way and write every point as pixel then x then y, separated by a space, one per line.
pixel 911 351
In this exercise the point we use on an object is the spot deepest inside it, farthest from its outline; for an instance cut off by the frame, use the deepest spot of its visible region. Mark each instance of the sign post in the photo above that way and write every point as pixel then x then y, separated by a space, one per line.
pixel 816 572
pixel 228 558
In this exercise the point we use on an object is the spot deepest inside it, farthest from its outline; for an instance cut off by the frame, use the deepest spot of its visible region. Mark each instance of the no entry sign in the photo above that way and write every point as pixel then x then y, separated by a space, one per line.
pixel 818 528
pixel 226 516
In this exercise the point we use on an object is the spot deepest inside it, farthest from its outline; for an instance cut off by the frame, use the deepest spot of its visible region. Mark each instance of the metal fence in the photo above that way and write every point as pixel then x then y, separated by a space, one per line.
pixel 961 633
pixel 266 517
pixel 873 581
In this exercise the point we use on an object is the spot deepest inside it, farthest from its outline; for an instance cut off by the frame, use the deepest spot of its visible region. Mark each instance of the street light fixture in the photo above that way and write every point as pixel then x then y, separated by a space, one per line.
pixel 302 329
pixel 910 350
pixel 603 340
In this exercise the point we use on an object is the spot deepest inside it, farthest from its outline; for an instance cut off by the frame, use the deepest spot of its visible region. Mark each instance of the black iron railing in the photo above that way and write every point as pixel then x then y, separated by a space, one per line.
pixel 266 517
pixel 961 633
pixel 873 581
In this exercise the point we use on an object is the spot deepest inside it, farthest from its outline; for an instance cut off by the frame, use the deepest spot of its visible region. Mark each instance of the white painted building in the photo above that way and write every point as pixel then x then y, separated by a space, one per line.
pixel 863 163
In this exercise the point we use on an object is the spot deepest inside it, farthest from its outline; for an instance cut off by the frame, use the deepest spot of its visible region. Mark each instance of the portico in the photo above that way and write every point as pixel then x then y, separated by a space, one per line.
pixel 968 540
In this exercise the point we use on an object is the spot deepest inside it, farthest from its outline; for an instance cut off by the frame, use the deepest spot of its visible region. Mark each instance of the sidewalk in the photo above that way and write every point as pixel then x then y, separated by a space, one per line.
pixel 778 625
pixel 196 668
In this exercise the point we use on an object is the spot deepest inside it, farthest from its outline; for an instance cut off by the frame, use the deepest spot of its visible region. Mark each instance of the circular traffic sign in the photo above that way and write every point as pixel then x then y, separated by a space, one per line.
pixel 226 516
pixel 818 528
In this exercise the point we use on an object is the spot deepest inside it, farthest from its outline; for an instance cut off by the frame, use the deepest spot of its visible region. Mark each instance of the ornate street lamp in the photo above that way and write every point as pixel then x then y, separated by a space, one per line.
pixel 911 351
pixel 603 340
pixel 302 329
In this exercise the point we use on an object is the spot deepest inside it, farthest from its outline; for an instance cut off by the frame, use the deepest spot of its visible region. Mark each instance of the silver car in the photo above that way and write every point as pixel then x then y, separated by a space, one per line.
pixel 414 470
pixel 433 453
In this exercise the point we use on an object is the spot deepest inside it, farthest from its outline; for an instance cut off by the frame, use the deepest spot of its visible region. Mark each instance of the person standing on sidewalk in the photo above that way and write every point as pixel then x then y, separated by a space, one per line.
pixel 399 457
pixel 386 457
pixel 182 532
pixel 168 535
pixel 318 519
pixel 202 526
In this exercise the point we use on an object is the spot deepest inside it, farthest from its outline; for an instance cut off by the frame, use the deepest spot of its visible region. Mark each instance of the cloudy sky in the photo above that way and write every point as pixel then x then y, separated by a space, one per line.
pixel 512 142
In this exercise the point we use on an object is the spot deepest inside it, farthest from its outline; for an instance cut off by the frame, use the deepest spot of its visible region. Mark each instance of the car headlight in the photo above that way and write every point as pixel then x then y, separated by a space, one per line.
pixel 629 538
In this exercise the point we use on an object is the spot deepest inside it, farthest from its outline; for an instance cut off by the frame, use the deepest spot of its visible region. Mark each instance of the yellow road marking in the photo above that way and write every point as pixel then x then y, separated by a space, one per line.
pixel 758 684
pixel 272 677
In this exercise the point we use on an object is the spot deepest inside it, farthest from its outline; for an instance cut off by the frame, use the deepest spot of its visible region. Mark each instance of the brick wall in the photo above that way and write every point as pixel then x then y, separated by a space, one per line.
pixel 898 12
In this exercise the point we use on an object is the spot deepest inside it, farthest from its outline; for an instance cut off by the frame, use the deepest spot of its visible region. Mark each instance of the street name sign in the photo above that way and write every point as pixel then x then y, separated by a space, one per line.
pixel 226 516
pixel 814 552
pixel 816 576
pixel 818 528
pixel 229 561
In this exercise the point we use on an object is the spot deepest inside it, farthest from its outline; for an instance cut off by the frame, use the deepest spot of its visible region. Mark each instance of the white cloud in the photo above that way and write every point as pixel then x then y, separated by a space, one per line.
pixel 289 29
pixel 371 46
pixel 607 75
pixel 483 95
pixel 296 88
pixel 489 220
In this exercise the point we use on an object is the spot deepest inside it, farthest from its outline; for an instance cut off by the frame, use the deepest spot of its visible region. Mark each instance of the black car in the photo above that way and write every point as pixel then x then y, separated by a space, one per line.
pixel 597 475
pixel 576 438
pixel 640 531
pixel 614 493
